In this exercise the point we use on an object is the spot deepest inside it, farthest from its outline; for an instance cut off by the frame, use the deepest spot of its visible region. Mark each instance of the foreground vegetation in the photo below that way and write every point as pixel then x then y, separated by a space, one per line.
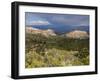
pixel 54 51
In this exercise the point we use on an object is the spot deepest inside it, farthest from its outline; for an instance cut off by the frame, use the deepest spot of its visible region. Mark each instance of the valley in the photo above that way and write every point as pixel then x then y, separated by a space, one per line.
pixel 45 48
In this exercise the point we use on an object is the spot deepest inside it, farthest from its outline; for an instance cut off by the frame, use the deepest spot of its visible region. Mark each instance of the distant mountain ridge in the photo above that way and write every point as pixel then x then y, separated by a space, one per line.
pixel 61 29
pixel 75 34
pixel 46 33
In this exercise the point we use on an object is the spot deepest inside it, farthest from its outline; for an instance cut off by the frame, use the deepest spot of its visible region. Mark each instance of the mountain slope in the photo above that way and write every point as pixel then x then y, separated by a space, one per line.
pixel 77 34
pixel 46 33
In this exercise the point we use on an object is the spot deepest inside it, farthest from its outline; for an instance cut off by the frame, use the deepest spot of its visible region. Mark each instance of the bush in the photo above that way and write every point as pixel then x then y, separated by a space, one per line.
pixel 55 51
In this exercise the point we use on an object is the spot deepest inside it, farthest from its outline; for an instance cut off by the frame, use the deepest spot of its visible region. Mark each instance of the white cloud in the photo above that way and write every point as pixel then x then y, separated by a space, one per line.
pixel 39 22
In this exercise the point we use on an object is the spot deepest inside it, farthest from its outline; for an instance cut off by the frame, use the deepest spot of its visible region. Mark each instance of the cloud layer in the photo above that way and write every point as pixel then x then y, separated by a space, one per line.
pixel 48 19
pixel 39 22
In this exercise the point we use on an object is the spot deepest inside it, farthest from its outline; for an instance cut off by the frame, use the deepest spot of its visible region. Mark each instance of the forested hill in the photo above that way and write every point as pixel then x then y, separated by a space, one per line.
pixel 47 49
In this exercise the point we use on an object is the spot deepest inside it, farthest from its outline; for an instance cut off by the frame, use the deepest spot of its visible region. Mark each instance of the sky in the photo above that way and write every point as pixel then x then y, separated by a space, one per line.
pixel 38 19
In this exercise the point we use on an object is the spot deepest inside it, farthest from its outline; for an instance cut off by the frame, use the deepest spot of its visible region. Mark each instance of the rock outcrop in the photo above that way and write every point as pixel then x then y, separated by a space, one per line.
pixel 77 34
pixel 48 32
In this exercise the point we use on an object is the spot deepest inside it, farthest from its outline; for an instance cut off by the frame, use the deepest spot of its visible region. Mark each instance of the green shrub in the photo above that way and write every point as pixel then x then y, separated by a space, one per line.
pixel 41 51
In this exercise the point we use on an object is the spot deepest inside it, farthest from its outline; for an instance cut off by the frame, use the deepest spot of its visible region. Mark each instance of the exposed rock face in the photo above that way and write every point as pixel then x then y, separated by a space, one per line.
pixel 77 34
pixel 48 32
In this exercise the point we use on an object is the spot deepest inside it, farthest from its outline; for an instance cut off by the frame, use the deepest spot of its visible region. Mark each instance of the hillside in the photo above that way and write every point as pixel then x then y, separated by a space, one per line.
pixel 46 33
pixel 77 34
pixel 44 48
